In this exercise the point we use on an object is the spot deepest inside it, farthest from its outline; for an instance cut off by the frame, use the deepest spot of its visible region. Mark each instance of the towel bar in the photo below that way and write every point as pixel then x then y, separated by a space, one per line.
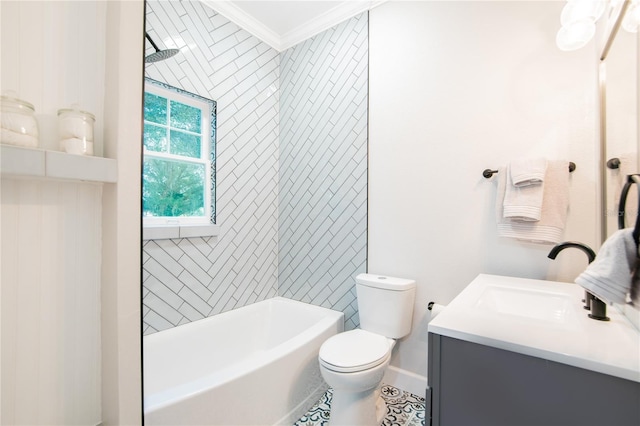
pixel 487 173
pixel 613 163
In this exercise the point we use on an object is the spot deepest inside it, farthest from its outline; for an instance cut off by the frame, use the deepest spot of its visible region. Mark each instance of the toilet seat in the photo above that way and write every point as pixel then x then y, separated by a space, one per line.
pixel 353 351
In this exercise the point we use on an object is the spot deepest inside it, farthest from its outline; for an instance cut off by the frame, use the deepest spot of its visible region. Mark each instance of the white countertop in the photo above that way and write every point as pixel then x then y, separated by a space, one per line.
pixel 544 319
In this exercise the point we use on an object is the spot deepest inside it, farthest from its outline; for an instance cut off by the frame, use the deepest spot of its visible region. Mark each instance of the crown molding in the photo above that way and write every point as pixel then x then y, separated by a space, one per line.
pixel 332 17
pixel 245 21
pixel 306 30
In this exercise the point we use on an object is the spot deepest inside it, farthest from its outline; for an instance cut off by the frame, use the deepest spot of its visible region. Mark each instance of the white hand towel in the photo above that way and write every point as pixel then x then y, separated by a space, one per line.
pixel 555 204
pixel 525 172
pixel 609 276
pixel 522 203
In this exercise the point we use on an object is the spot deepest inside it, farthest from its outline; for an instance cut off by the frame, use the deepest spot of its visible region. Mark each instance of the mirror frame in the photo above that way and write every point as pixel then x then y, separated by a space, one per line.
pixel 611 32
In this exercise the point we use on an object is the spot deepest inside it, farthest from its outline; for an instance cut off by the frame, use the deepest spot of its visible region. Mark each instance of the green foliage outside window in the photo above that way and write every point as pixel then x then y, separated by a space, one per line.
pixel 185 144
pixel 186 117
pixel 172 189
pixel 173 170
pixel 155 138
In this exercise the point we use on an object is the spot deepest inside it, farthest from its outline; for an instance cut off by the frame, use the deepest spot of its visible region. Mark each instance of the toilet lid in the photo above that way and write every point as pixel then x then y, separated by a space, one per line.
pixel 354 350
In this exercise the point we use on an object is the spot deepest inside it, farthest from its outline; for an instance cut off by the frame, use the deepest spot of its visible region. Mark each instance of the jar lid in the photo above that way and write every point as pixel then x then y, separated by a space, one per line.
pixel 76 111
pixel 16 103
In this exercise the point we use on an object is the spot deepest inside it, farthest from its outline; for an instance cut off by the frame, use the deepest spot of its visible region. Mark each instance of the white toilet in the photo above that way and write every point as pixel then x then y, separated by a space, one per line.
pixel 353 363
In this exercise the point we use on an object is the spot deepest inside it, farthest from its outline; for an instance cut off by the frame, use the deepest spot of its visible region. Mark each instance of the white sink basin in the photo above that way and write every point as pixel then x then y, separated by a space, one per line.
pixel 544 319
pixel 534 304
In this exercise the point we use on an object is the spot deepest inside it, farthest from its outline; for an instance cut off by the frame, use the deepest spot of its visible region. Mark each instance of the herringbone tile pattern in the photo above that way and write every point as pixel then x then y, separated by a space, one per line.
pixel 323 167
pixel 291 172
pixel 188 279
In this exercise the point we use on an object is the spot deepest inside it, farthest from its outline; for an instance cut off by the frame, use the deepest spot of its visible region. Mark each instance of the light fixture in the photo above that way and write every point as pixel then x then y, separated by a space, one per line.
pixel 578 21
pixel 578 10
pixel 631 19
pixel 575 35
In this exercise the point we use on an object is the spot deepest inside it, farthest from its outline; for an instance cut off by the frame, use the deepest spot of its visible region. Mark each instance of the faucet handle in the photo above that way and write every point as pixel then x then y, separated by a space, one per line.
pixel 598 310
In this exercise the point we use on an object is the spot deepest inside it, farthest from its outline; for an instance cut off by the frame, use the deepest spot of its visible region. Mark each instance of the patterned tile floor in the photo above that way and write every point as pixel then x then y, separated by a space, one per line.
pixel 403 409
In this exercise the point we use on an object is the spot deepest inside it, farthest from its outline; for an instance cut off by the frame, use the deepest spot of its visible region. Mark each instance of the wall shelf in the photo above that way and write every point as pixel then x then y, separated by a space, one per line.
pixel 27 162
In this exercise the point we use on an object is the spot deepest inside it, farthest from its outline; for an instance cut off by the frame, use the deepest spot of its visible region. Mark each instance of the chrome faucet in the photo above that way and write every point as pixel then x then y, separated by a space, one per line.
pixel 597 307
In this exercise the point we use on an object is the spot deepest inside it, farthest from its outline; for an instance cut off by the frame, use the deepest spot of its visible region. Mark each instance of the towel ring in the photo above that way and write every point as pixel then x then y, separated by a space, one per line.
pixel 631 179
pixel 487 173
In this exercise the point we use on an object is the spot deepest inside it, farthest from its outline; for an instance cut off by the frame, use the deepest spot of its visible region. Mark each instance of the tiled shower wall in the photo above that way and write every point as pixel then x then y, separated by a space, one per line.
pixel 320 148
pixel 188 279
pixel 323 167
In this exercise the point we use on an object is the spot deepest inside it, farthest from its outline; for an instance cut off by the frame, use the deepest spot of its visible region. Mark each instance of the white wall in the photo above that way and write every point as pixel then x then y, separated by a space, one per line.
pixel 71 251
pixel 52 57
pixel 621 71
pixel 121 330
pixel 51 302
pixel 455 88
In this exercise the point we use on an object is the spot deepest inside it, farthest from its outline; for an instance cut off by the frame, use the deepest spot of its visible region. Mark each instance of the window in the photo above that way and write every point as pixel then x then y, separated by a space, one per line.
pixel 179 158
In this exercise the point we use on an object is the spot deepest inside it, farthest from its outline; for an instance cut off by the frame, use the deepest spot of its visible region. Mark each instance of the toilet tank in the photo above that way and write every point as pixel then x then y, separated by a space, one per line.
pixel 385 304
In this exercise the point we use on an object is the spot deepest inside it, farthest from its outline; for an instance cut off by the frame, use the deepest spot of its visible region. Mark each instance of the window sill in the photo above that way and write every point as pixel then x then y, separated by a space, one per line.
pixel 166 232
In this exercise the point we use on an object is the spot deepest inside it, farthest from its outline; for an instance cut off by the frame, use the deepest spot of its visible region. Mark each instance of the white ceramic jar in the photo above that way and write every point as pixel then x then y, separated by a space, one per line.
pixel 18 124
pixel 75 129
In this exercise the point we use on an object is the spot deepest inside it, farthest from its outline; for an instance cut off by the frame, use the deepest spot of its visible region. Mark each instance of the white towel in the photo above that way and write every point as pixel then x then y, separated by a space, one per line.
pixel 609 276
pixel 555 204
pixel 525 172
pixel 522 203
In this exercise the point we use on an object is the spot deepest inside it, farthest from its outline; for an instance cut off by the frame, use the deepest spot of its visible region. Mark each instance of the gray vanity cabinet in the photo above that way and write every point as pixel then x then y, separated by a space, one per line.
pixel 475 385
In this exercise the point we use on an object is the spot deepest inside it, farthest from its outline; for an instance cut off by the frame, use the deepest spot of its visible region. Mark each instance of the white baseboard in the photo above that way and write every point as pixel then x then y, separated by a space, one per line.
pixel 405 380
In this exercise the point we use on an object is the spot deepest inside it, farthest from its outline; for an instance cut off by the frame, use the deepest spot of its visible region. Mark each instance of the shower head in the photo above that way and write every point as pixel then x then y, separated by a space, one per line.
pixel 159 55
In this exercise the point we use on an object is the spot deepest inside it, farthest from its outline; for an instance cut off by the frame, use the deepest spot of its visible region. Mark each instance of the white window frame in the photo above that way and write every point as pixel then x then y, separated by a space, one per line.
pixel 155 227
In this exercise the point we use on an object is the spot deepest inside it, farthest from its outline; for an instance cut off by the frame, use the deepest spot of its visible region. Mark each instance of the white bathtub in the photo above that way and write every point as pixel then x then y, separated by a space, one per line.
pixel 255 365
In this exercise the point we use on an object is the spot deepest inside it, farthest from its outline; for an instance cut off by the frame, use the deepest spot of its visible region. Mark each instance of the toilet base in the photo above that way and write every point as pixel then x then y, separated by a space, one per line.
pixel 365 408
